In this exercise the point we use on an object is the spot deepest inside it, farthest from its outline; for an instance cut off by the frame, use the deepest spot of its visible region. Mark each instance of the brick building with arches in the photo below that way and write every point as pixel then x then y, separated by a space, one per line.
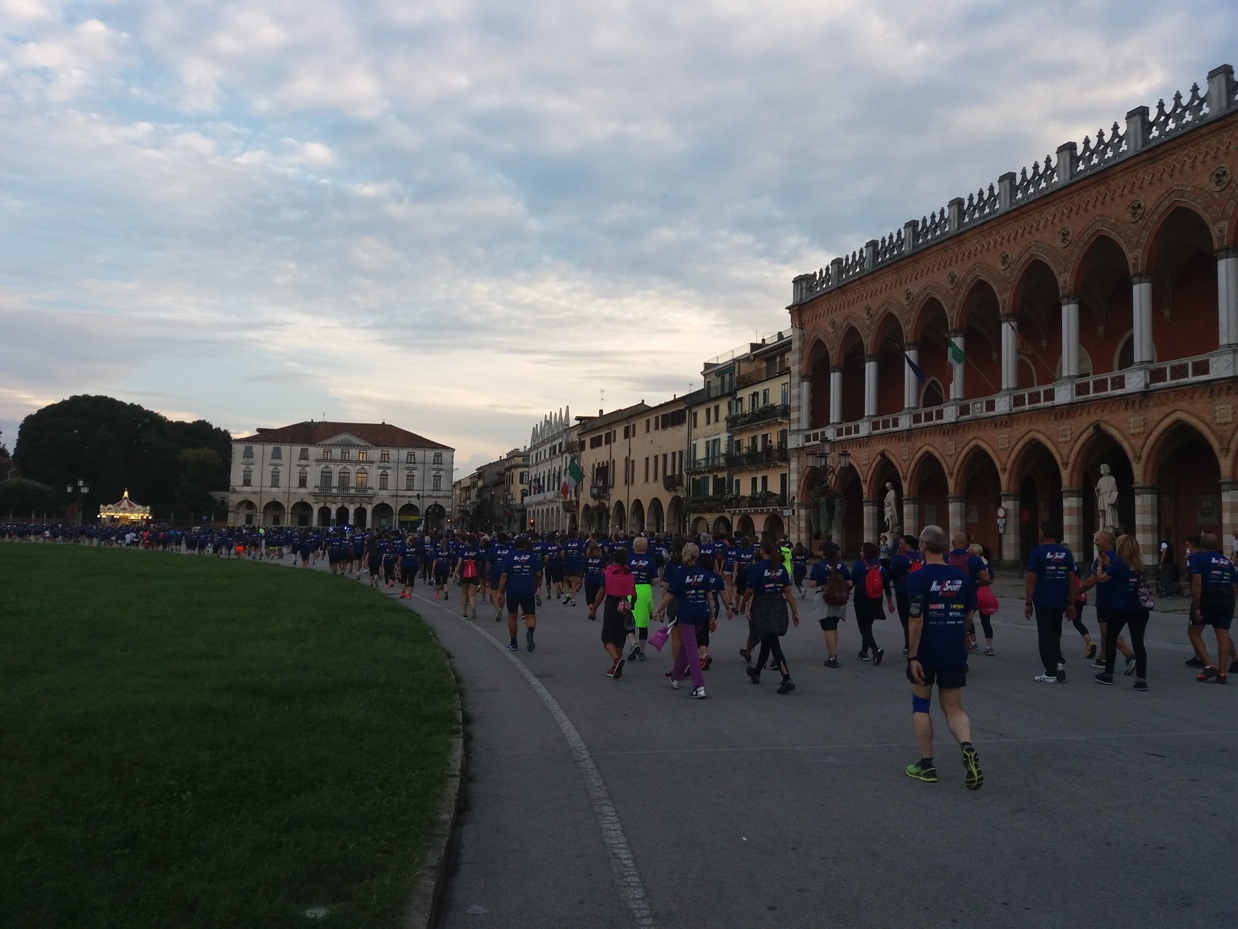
pixel 997 352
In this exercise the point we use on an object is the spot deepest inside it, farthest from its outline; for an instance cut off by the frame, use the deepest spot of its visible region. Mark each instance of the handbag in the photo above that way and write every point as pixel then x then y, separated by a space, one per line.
pixel 658 637
pixel 1146 600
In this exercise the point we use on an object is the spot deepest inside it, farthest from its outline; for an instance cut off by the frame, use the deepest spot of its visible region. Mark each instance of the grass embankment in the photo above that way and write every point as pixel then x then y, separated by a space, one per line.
pixel 194 742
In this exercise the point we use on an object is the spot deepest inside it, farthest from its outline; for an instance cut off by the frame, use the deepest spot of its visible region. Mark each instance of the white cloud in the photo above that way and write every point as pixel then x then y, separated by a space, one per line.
pixel 458 214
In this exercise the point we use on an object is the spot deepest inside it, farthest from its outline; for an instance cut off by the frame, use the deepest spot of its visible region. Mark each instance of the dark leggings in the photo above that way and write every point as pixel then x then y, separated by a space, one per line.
pixel 771 645
pixel 1138 621
pixel 1078 620
pixel 904 615
pixel 986 623
pixel 867 642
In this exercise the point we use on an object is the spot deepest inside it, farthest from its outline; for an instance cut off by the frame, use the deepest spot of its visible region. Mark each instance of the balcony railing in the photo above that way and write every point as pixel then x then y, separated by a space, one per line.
pixel 1219 365
pixel 761 458
pixel 599 491
pixel 708 463
pixel 710 503
pixel 755 377
pixel 765 414
pixel 343 491
pixel 761 500
pixel 672 481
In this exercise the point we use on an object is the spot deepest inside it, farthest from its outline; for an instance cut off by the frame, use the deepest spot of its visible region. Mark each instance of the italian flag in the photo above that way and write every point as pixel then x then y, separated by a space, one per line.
pixel 574 476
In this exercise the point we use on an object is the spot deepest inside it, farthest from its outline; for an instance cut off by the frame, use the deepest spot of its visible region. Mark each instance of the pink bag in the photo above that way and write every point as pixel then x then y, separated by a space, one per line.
pixel 658 637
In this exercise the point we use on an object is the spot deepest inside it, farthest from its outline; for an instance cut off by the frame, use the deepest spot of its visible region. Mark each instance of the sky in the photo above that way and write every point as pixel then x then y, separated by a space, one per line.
pixel 459 216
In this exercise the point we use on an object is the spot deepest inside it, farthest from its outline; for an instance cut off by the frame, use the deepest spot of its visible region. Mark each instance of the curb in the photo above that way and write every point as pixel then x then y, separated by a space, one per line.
pixel 427 893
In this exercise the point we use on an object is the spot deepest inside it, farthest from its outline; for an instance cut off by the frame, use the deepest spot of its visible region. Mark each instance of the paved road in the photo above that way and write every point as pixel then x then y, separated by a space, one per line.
pixel 600 803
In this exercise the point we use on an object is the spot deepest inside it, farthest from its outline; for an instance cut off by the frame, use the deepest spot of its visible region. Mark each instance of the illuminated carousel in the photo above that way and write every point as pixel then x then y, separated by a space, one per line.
pixel 124 511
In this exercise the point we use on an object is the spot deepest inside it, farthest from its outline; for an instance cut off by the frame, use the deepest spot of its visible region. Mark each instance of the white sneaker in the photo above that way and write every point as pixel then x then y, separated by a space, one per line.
pixel 1045 679
pixel 698 693
pixel 674 684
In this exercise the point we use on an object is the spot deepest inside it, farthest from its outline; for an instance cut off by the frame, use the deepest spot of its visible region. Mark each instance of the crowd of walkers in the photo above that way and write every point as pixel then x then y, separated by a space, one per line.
pixel 937 588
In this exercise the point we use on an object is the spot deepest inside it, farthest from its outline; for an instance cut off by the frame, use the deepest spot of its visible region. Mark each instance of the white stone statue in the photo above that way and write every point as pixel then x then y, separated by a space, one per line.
pixel 891 508
pixel 1106 500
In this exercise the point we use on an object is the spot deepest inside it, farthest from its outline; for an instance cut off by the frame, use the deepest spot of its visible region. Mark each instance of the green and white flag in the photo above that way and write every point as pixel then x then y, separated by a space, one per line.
pixel 956 353
pixel 574 476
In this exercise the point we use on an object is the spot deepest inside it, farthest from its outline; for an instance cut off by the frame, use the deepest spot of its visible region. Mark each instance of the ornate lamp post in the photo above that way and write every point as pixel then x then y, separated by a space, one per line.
pixel 78 492
pixel 825 496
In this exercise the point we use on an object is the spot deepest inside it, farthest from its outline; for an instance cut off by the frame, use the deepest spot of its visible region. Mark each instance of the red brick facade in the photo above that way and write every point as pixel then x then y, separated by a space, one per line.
pixel 1098 320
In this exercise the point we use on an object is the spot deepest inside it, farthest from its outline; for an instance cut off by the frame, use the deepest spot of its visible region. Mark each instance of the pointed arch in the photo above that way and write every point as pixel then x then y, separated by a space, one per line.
pixel 1154 442
pixel 1017 455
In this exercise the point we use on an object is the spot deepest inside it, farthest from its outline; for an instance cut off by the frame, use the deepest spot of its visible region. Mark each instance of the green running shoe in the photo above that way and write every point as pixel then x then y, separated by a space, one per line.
pixel 975 777
pixel 922 772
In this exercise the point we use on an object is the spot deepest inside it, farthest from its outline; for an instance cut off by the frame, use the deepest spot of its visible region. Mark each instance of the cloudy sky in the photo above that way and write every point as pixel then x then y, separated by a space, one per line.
pixel 458 215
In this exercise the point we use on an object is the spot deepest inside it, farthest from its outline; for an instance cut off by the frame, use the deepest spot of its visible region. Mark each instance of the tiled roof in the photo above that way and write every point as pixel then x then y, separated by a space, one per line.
pixel 318 433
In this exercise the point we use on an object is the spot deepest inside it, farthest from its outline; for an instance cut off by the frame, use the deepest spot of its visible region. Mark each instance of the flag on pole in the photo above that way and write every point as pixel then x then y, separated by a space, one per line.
pixel 915 369
pixel 573 477
pixel 956 353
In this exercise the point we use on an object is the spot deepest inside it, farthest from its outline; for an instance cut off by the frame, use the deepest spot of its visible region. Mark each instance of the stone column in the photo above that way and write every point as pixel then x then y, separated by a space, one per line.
pixel 957 508
pixel 1146 519
pixel 1010 351
pixel 911 516
pixel 911 383
pixel 1072 521
pixel 836 394
pixel 1227 296
pixel 1229 513
pixel 805 411
pixel 870 385
pixel 1070 336
pixel 872 527
pixel 1011 556
pixel 1141 314
pixel 956 368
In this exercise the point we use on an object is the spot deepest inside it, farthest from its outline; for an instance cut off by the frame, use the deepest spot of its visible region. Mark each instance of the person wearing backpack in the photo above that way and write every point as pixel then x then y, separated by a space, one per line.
pixel 869 580
pixel 831 582
pixel 959 557
pixel 905 561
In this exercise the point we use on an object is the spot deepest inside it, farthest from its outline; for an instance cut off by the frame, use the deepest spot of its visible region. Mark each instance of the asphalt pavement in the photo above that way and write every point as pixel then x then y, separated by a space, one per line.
pixel 600 803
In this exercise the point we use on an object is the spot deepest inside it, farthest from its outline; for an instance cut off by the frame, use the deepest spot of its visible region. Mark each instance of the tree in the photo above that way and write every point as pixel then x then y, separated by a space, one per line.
pixel 199 474
pixel 114 446
pixel 21 497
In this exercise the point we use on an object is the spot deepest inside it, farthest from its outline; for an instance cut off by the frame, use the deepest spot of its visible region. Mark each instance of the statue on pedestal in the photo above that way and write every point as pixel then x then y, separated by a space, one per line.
pixel 891 509
pixel 1106 500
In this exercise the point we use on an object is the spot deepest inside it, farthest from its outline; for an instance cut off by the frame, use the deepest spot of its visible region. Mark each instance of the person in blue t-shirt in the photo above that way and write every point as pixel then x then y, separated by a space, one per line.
pixel 594 565
pixel 498 557
pixel 940 598
pixel 799 567
pixel 906 559
pixel 1213 589
pixel 690 588
pixel 520 581
pixel 573 559
pixel 869 609
pixel 768 596
pixel 1117 603
pixel 1050 594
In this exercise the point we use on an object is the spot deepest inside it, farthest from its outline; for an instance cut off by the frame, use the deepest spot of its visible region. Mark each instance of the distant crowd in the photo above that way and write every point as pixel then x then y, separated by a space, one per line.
pixel 936 585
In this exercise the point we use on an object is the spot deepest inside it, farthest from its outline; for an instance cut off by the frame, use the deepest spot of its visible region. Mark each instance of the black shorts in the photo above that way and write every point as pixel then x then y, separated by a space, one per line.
pixel 1217 620
pixel 741 583
pixel 829 623
pixel 944 678
pixel 522 602
pixel 554 575
pixel 440 577
pixel 467 581
pixel 571 573
pixel 408 576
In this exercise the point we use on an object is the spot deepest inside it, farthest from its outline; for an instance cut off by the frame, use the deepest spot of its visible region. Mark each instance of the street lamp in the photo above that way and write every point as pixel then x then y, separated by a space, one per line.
pixel 825 495
pixel 81 489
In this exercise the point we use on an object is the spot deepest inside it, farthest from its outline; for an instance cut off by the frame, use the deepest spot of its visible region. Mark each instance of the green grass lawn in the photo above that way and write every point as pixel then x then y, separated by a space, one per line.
pixel 199 742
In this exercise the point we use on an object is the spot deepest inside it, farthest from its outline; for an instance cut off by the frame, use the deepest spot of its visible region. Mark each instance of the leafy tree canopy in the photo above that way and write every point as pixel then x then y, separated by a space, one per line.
pixel 112 445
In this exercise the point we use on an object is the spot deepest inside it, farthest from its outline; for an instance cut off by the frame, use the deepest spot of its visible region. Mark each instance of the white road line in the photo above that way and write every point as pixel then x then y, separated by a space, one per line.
pixel 622 862
pixel 903 744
